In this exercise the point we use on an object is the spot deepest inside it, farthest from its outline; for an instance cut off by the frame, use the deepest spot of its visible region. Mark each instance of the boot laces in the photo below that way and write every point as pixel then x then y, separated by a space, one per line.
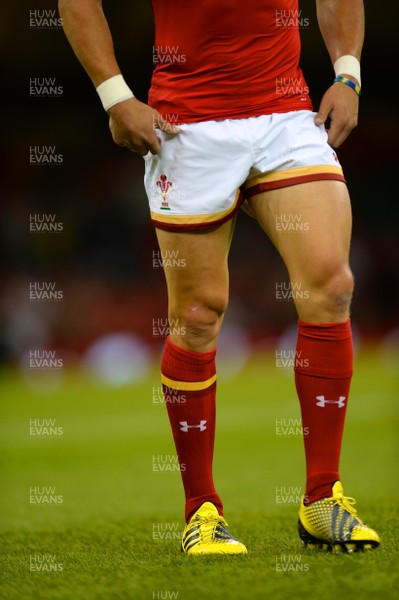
pixel 207 525
pixel 348 504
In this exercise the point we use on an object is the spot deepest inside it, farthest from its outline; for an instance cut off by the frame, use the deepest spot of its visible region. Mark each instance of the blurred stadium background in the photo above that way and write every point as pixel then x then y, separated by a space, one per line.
pixel 102 262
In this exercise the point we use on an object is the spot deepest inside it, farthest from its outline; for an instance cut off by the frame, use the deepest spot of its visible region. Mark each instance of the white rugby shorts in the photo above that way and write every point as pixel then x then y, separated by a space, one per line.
pixel 202 175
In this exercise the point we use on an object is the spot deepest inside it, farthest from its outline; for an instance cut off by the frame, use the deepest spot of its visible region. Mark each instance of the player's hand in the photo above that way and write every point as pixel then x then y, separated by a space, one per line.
pixel 133 125
pixel 341 104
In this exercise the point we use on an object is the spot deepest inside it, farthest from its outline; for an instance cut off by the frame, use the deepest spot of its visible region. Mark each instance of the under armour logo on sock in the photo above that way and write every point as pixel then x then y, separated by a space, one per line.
pixel 184 426
pixel 322 401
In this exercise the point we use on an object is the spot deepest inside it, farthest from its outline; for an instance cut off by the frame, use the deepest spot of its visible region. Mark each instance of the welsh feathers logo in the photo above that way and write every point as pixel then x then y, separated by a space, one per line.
pixel 164 184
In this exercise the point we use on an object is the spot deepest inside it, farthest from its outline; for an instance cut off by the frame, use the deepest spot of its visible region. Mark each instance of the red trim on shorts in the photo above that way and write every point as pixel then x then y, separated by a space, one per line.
pixel 282 183
pixel 198 226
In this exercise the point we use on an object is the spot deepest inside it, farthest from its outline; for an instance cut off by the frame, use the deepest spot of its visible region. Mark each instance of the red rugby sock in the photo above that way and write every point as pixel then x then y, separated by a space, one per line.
pixel 323 370
pixel 189 386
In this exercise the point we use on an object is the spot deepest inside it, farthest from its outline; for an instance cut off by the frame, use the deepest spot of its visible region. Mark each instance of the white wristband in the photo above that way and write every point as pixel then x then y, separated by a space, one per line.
pixel 113 90
pixel 348 65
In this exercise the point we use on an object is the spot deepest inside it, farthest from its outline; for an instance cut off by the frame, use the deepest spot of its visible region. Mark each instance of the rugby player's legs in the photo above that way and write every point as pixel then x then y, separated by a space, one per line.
pixel 197 300
pixel 198 291
pixel 316 257
pixel 316 254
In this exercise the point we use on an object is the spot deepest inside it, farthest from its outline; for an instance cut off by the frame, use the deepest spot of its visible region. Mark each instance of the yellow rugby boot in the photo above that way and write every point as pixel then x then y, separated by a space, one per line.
pixel 207 533
pixel 334 521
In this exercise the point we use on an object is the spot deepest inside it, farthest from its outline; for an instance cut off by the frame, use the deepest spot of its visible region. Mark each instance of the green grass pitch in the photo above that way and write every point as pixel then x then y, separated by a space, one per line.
pixel 114 534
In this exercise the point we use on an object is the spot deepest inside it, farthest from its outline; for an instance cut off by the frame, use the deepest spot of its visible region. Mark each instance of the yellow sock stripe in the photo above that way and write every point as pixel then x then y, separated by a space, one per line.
pixel 188 386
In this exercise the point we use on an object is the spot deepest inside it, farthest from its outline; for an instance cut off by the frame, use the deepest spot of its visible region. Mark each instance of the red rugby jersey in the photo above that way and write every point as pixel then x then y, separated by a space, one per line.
pixel 220 59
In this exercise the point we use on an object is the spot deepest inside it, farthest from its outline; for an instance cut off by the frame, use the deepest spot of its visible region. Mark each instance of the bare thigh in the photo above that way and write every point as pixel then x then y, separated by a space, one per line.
pixel 310 225
pixel 198 287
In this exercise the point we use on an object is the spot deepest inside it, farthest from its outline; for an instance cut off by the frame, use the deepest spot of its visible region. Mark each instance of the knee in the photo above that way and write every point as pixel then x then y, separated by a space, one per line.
pixel 329 293
pixel 339 290
pixel 196 324
pixel 334 290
